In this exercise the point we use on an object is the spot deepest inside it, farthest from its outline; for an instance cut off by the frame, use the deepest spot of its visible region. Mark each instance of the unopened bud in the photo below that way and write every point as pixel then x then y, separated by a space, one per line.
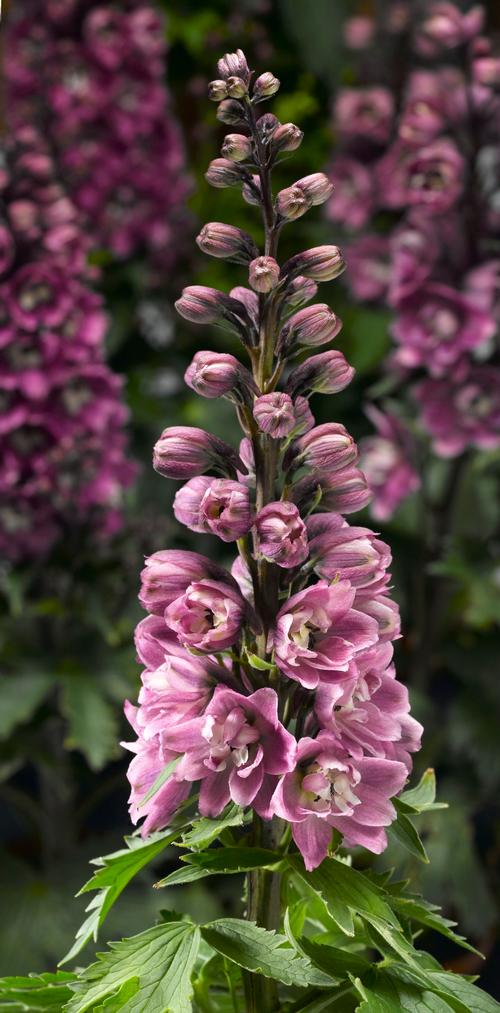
pixel 217 90
pixel 486 71
pixel 321 263
pixel 266 125
pixel 236 87
pixel 274 414
pixel 202 305
pixel 227 242
pixel 185 451
pixel 218 374
pixel 236 147
pixel 299 291
pixel 263 274
pixel 327 373
pixel 345 492
pixel 316 187
pixel 221 173
pixel 287 137
pixel 252 191
pixel 313 326
pixel 265 86
pixel 292 203
pixel 234 65
pixel 231 112
pixel 326 448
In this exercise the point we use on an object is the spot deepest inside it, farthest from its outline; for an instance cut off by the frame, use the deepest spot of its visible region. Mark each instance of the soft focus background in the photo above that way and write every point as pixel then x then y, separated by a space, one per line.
pixel 107 135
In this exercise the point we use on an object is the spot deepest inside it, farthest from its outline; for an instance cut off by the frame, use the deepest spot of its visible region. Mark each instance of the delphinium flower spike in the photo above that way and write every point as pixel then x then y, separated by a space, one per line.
pixel 272 686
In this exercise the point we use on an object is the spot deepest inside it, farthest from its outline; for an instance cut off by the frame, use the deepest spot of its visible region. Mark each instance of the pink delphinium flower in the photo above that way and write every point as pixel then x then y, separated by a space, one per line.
pixel 462 410
pixel 387 462
pixel 294 643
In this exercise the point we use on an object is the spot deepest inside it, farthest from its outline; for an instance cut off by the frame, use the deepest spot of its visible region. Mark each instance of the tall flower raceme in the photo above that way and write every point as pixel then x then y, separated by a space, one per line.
pixel 424 153
pixel 93 74
pixel 271 730
pixel 298 712
pixel 62 441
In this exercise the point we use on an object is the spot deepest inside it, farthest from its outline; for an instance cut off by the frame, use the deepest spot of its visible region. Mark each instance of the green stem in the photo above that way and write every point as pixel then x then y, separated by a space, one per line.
pixel 264 908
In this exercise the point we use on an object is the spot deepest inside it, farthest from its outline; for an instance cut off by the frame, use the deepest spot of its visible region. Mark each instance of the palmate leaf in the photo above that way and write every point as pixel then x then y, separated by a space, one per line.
pixel 403 831
pixel 205 831
pixel 92 721
pixel 221 861
pixel 36 993
pixel 21 694
pixel 149 971
pixel 115 872
pixel 396 988
pixel 264 952
pixel 418 910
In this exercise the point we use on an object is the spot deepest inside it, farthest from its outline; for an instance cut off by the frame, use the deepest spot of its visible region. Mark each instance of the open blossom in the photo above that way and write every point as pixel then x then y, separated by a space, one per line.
pixel 318 631
pixel 168 573
pixel 387 461
pixel 330 789
pixel 281 534
pixel 208 616
pixel 437 325
pixel 367 112
pixel 463 409
pixel 237 750
pixel 216 505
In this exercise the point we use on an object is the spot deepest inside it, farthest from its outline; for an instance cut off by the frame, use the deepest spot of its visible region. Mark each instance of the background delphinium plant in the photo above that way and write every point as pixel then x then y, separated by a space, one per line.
pixel 417 185
pixel 270 722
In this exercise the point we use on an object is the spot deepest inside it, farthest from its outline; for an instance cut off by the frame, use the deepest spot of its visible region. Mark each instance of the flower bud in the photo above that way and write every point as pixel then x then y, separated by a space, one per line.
pixel 322 263
pixel 345 492
pixel 217 374
pixel 231 112
pixel 316 187
pixel 185 451
pixel 236 147
pixel 227 241
pixel 217 90
pixel 304 418
pixel 236 87
pixel 263 274
pixel 313 326
pixel 203 305
pixel 221 173
pixel 326 448
pixel 287 137
pixel 274 414
pixel 252 191
pixel 234 65
pixel 265 86
pixel 299 291
pixel 321 374
pixel 266 125
pixel 216 506
pixel 292 203
pixel 281 534
pixel 168 573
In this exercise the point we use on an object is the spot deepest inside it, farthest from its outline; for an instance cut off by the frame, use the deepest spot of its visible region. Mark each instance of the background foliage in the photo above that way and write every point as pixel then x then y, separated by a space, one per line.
pixel 66 629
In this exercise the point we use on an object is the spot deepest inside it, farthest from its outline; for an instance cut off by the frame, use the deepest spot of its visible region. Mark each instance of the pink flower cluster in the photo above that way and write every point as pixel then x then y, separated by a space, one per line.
pixel 93 74
pixel 62 443
pixel 271 686
pixel 423 153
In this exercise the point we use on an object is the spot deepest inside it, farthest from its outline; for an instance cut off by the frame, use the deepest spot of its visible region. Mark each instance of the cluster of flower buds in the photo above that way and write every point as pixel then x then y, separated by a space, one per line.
pixel 62 443
pixel 271 686
pixel 422 153
pixel 93 74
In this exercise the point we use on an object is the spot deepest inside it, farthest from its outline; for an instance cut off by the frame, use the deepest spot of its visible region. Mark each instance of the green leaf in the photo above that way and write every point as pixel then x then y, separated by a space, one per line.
pixel 263 952
pixel 204 831
pixel 21 694
pixel 160 961
pixel 160 780
pixel 259 663
pixel 235 859
pixel 403 831
pixel 416 909
pixel 92 721
pixel 422 798
pixel 117 869
pixel 387 997
pixel 332 960
pixel 35 993
pixel 472 997
pixel 343 887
